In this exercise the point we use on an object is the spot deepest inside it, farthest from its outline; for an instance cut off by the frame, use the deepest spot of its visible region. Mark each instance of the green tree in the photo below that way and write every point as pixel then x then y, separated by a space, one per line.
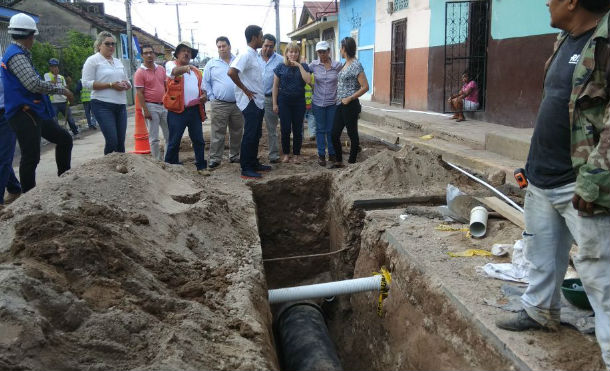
pixel 41 53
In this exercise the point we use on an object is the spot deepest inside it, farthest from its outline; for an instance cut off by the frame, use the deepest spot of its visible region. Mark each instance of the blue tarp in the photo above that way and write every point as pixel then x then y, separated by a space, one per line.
pixel 7 13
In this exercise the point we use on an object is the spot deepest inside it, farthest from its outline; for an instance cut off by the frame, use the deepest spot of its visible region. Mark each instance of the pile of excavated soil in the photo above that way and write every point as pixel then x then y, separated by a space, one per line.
pixel 125 263
pixel 409 172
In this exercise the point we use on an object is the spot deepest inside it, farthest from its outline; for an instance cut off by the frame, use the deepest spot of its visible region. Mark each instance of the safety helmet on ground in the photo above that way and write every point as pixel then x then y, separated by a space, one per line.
pixel 53 62
pixel 22 24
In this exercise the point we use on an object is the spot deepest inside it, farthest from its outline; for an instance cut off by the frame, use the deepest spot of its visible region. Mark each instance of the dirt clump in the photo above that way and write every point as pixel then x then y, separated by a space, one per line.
pixel 149 268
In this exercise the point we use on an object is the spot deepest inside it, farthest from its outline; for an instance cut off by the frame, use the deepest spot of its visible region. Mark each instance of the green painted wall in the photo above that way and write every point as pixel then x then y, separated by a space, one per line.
pixel 509 19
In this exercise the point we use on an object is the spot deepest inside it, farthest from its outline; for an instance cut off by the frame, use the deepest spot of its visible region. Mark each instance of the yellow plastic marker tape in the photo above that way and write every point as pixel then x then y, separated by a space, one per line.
pixel 384 289
pixel 470 252
pixel 450 228
pixel 426 137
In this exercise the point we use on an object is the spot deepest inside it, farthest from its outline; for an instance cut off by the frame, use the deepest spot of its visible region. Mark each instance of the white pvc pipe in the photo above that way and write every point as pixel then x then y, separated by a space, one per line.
pixel 325 290
pixel 478 221
pixel 502 195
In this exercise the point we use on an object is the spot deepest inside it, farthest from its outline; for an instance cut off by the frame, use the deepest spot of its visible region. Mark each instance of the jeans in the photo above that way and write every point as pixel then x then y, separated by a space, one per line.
pixel 292 112
pixel 66 112
pixel 347 116
pixel 253 130
pixel 325 116
pixel 271 122
pixel 29 127
pixel 158 120
pixel 225 114
pixel 91 122
pixel 8 180
pixel 177 123
pixel 112 119
pixel 311 122
pixel 552 224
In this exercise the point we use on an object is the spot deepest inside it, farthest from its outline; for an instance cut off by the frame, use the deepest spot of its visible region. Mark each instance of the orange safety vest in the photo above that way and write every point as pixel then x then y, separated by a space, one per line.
pixel 173 100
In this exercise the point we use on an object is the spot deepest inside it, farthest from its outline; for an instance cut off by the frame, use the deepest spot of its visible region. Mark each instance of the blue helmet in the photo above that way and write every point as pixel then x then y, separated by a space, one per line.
pixel 53 62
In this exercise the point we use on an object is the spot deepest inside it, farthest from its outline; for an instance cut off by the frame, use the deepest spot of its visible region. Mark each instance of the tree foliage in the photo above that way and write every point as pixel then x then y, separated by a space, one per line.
pixel 71 58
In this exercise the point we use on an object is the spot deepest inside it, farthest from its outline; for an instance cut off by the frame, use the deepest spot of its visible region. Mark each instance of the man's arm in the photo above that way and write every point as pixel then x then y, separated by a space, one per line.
pixel 593 178
pixel 20 66
pixel 234 75
pixel 140 95
pixel 207 81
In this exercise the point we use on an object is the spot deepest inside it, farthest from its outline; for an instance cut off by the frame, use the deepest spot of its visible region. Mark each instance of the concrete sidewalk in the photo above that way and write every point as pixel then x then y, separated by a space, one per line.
pixel 484 148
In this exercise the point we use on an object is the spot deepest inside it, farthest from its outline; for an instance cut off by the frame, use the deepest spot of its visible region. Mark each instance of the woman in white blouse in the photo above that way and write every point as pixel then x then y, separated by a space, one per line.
pixel 105 76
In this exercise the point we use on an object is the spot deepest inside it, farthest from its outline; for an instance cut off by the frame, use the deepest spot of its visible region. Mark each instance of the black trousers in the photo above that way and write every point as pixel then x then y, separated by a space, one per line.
pixel 29 127
pixel 347 117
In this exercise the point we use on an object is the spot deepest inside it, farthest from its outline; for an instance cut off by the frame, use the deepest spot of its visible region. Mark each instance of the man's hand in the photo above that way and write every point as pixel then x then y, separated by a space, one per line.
pixel 582 205
pixel 69 95
pixel 346 101
pixel 249 94
pixel 276 109
pixel 203 97
pixel 147 114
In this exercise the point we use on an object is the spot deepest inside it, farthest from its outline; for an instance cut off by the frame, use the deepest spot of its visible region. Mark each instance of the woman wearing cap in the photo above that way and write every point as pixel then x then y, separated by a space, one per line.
pixel 106 77
pixel 325 72
pixel 352 85
pixel 288 99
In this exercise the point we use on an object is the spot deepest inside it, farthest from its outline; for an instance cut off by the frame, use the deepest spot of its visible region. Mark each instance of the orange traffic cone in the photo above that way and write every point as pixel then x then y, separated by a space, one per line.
pixel 142 147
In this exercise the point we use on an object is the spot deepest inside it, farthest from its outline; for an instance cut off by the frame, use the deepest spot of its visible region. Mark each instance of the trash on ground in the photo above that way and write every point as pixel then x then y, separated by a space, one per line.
pixel 426 137
pixel 470 252
pixel 515 271
pixel 501 249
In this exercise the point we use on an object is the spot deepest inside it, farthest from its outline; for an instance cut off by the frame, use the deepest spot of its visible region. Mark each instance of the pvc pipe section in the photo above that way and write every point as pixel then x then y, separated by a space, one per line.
pixel 325 290
pixel 490 187
pixel 304 340
pixel 478 221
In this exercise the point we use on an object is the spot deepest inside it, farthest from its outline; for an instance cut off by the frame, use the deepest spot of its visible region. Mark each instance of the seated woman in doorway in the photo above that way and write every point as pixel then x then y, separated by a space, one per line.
pixel 467 99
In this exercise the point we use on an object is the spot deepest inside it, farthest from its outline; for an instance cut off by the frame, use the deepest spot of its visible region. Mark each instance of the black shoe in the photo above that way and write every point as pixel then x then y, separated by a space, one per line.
pixel 521 321
pixel 234 160
pixel 249 174
pixel 332 158
pixel 321 161
pixel 213 165
pixel 93 127
pixel 275 161
pixel 351 161
pixel 336 165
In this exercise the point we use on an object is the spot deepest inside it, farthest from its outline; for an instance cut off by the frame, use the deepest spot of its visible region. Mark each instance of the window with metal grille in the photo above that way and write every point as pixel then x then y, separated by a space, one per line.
pixel 401 4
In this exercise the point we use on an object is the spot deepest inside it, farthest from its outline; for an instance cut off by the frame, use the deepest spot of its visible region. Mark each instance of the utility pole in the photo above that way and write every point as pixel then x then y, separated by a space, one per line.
pixel 294 15
pixel 129 40
pixel 178 21
pixel 277 25
pixel 192 39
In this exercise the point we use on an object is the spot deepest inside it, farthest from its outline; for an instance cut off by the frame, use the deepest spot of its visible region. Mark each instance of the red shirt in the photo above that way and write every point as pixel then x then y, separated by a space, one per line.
pixel 153 82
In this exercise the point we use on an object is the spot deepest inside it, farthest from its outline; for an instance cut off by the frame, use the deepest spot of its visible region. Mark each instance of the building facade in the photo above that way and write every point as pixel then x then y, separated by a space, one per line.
pixel 318 22
pixel 422 47
pixel 357 20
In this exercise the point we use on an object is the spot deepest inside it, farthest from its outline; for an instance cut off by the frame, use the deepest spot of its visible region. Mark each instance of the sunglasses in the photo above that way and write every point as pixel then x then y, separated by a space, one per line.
pixel 110 44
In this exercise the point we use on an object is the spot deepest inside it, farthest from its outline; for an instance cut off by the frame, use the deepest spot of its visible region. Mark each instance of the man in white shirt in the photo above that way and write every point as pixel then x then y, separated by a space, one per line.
pixel 246 73
pixel 59 101
pixel 191 115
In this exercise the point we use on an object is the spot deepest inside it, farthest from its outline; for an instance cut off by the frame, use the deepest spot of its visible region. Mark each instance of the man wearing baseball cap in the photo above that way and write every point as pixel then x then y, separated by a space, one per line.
pixel 28 108
pixel 59 101
pixel 185 88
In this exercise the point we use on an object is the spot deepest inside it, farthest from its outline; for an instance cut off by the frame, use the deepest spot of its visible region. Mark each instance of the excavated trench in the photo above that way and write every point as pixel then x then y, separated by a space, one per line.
pixel 311 232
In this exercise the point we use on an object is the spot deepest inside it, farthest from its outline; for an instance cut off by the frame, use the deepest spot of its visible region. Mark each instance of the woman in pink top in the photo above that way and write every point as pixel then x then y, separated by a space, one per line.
pixel 467 99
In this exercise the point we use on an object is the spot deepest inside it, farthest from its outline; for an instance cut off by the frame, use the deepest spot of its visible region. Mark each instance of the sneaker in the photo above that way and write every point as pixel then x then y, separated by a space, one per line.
pixel 204 172
pixel 250 174
pixel 521 321
pixel 261 167
pixel 213 165
pixel 321 161
pixel 275 161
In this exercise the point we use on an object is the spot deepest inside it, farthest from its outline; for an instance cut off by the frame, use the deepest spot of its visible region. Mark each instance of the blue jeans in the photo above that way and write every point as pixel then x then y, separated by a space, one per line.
pixel 311 122
pixel 112 119
pixel 8 180
pixel 325 116
pixel 89 115
pixel 292 112
pixel 552 224
pixel 253 130
pixel 66 112
pixel 177 123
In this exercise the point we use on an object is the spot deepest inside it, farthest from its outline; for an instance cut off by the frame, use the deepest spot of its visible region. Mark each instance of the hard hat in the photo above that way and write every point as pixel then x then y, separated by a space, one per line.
pixel 22 24
pixel 53 62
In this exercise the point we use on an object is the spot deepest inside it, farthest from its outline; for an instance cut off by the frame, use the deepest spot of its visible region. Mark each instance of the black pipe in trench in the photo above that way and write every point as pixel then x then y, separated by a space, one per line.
pixel 304 341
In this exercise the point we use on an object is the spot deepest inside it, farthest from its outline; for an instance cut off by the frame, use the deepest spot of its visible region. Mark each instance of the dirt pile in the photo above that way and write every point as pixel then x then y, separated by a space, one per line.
pixel 128 264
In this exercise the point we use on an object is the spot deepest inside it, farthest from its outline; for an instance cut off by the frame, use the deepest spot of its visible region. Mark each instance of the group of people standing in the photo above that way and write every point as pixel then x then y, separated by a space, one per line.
pixel 243 91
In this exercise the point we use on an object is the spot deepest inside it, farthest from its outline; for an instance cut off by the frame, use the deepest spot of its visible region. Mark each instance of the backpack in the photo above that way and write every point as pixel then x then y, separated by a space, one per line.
pixel 173 99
